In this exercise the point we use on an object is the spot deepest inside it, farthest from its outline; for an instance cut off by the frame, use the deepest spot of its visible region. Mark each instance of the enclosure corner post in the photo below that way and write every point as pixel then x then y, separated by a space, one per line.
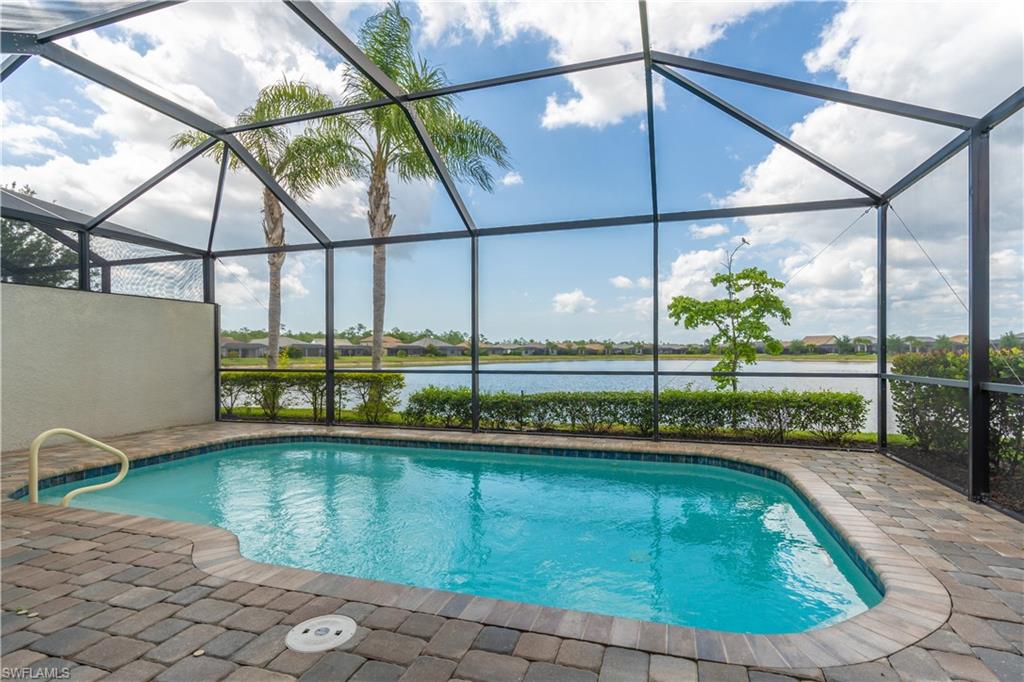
pixel 652 159
pixel 209 293
pixel 882 331
pixel 978 310
pixel 329 335
pixel 83 261
pixel 216 362
pixel 210 296
pixel 474 267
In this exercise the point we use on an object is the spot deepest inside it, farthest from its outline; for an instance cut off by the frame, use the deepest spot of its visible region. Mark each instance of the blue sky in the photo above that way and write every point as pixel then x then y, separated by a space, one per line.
pixel 578 148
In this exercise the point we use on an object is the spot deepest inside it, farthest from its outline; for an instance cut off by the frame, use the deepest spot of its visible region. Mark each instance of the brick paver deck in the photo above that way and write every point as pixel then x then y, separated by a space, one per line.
pixel 111 596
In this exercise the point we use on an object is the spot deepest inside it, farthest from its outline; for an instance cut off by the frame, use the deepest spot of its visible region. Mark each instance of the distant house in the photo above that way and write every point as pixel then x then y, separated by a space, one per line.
pixel 346 348
pixel 592 349
pixel 508 348
pixel 393 346
pixel 625 348
pixel 960 341
pixel 232 348
pixel 386 340
pixel 440 347
pixel 821 344
pixel 672 348
pixel 533 349
pixel 920 344
pixel 308 349
pixel 865 344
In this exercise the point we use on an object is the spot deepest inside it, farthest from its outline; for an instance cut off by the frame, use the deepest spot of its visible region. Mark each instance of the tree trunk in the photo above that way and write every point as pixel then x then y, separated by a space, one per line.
pixel 381 220
pixel 273 229
pixel 380 264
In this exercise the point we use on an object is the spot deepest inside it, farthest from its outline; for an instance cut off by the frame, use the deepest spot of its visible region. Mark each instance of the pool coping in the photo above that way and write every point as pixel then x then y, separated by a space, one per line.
pixel 914 603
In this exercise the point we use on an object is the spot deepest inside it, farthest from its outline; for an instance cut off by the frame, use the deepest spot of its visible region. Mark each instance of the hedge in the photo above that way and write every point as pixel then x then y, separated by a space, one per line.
pixel 769 416
pixel 935 417
pixel 372 397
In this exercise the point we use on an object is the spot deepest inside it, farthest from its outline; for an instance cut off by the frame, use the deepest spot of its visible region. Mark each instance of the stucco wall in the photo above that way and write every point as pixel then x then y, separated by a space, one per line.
pixel 101 364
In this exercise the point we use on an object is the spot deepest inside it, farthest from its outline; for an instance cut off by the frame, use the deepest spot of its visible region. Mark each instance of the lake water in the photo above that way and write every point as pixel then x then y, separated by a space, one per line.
pixel 532 382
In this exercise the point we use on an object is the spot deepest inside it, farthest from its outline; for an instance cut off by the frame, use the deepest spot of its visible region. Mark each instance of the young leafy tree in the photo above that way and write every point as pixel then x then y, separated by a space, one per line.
pixel 300 162
pixel 381 141
pixel 740 319
pixel 894 343
pixel 798 347
pixel 845 345
pixel 25 246
pixel 943 342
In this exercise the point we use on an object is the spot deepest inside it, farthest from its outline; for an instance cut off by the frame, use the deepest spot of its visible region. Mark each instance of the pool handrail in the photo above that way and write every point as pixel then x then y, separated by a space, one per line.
pixel 33 464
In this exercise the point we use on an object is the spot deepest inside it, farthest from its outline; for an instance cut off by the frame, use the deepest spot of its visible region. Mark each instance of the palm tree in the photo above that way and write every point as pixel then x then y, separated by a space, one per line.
pixel 381 141
pixel 299 162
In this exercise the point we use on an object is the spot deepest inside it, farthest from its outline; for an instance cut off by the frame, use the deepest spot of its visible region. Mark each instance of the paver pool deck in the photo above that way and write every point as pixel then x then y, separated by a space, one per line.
pixel 112 596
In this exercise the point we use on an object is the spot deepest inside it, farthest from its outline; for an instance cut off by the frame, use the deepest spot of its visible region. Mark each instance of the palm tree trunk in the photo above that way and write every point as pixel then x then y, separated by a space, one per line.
pixel 273 229
pixel 381 221
pixel 380 265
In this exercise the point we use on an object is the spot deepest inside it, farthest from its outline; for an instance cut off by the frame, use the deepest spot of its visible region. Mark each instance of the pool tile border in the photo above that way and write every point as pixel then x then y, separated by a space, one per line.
pixel 914 603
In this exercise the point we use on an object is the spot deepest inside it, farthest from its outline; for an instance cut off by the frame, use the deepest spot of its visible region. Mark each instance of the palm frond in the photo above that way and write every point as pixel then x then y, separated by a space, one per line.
pixel 190 139
pixel 386 38
pixel 317 158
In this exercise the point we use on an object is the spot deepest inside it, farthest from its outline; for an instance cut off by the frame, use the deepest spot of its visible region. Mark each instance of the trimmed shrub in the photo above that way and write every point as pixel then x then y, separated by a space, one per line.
pixel 232 391
pixel 697 413
pixel 440 406
pixel 371 396
pixel 764 415
pixel 313 388
pixel 935 417
pixel 270 391
pixel 504 411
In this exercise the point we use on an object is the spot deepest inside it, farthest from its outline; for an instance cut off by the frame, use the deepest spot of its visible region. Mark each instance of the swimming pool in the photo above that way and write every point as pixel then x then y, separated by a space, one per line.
pixel 685 544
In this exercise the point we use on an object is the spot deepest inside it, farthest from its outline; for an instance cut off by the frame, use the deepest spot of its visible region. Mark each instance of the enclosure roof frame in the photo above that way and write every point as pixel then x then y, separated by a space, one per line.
pixel 21 45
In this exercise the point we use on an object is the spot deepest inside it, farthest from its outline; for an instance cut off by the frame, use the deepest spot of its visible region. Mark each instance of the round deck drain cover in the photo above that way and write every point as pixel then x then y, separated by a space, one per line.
pixel 320 633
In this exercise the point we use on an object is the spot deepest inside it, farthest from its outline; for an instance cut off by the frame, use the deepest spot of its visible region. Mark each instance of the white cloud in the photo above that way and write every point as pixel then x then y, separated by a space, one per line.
pixel 579 31
pixel 623 282
pixel 26 139
pixel 690 274
pixel 512 178
pixel 913 53
pixel 213 58
pixel 705 231
pixel 473 18
pixel 573 302
pixel 239 287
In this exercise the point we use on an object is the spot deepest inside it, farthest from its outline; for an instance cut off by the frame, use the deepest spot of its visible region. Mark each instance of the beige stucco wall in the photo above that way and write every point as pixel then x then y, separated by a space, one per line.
pixel 101 364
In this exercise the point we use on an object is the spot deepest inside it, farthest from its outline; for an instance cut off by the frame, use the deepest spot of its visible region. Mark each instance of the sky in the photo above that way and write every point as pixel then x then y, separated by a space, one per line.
pixel 578 147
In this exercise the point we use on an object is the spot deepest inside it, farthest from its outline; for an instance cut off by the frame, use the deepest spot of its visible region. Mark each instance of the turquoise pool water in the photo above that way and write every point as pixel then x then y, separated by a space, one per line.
pixel 685 544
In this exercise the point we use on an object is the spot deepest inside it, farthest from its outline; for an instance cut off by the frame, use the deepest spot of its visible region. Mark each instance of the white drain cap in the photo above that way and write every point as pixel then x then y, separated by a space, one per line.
pixel 320 633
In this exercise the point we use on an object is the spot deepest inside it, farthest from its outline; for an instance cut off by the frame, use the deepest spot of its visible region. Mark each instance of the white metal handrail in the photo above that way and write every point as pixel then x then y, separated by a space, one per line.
pixel 33 464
